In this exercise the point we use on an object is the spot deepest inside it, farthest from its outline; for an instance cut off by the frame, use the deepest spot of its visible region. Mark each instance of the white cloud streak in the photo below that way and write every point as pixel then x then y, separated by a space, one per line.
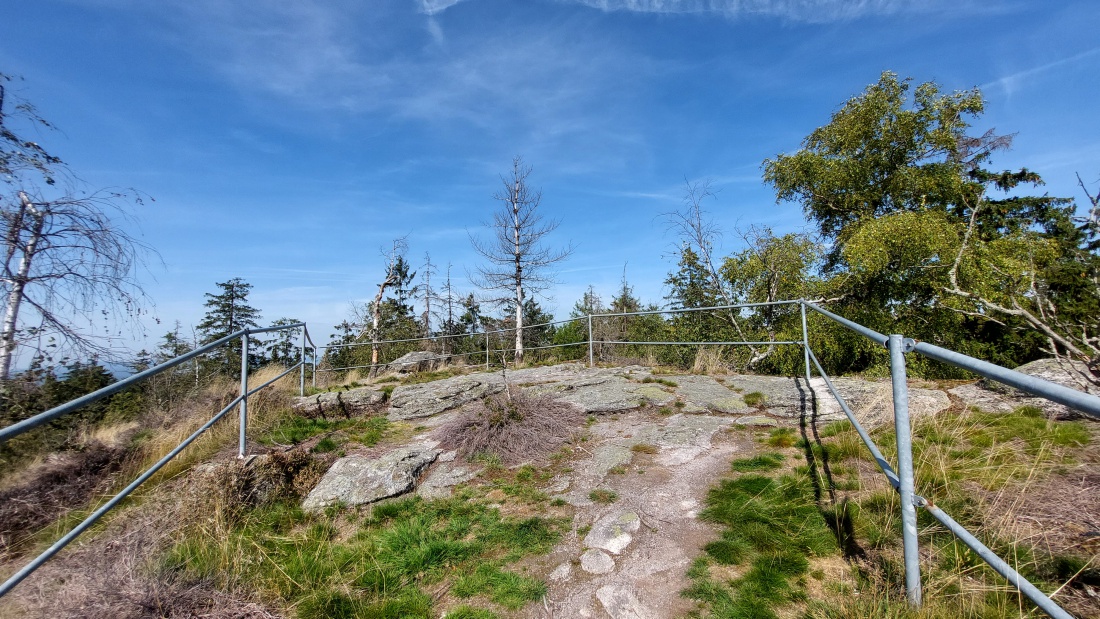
pixel 811 11
pixel 431 7
pixel 1011 83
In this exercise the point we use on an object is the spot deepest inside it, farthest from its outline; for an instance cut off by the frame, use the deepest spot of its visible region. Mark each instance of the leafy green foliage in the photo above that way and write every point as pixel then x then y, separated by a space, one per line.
pixel 921 245
pixel 38 390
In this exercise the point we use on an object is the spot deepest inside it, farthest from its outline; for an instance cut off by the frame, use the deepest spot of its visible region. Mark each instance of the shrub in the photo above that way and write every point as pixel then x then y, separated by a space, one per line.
pixel 513 425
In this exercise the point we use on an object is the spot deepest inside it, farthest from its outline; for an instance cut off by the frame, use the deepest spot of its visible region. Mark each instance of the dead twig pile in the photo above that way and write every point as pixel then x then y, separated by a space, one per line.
pixel 513 425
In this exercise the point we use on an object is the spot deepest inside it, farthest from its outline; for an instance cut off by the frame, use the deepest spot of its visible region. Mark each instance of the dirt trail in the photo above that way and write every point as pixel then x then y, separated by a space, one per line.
pixel 629 558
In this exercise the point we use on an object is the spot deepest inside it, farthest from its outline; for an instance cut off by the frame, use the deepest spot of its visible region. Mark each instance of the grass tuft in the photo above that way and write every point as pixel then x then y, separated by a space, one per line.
pixel 516 427
pixel 763 462
pixel 382 567
pixel 604 496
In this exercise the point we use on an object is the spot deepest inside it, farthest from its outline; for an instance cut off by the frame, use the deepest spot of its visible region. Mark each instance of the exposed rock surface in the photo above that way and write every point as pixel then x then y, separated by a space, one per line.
pixel 597 562
pixel 613 532
pixel 632 560
pixel 440 480
pixel 427 399
pixel 345 403
pixel 703 393
pixel 418 361
pixel 356 480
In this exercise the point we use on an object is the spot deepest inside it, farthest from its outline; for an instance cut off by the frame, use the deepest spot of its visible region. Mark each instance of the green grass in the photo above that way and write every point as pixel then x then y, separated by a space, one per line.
pixel 293 429
pixel 754 398
pixel 770 526
pixel 604 496
pixel 660 381
pixel 381 567
pixel 963 460
pixel 763 462
pixel 781 437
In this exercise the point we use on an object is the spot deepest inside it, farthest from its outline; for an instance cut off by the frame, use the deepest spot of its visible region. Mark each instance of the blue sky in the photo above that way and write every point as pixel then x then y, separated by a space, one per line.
pixel 287 142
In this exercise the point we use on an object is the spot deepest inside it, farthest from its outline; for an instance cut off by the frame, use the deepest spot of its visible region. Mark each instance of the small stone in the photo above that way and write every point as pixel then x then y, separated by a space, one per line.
pixel 597 562
pixel 613 533
pixel 562 573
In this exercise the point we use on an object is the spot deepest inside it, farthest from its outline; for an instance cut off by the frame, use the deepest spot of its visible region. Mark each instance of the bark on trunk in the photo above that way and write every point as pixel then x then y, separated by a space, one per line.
pixel 519 273
pixel 18 283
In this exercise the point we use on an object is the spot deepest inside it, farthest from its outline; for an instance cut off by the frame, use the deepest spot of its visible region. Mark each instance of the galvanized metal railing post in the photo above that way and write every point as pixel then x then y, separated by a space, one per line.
pixel 486 351
pixel 591 362
pixel 302 369
pixel 805 343
pixel 244 392
pixel 896 344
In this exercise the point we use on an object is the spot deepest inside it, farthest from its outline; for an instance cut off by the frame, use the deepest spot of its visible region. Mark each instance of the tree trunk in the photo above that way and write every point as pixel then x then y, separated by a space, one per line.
pixel 376 320
pixel 18 283
pixel 519 273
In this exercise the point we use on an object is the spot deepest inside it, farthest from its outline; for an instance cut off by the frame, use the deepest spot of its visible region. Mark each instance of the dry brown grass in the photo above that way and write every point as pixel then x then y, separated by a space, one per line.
pixel 708 360
pixel 517 427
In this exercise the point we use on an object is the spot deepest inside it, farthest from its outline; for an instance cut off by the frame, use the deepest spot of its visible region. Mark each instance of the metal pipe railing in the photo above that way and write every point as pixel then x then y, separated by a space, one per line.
pixel 33 422
pixel 1084 402
pixel 903 483
pixel 69 407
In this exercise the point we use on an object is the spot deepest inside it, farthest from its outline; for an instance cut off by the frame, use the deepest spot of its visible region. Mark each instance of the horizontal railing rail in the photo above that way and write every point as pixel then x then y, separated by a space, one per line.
pixel 902 479
pixel 240 400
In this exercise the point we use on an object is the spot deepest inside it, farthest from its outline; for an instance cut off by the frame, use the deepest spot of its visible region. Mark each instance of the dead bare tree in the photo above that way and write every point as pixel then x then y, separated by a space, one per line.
pixel 692 225
pixel 428 293
pixel 395 271
pixel 63 255
pixel 518 262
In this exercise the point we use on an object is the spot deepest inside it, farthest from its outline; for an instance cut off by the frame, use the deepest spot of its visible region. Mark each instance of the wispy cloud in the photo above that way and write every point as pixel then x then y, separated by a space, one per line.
pixel 431 7
pixel 1011 83
pixel 813 11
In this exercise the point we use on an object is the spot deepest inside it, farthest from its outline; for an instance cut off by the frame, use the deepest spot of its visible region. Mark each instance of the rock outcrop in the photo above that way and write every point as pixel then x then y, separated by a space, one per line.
pixel 418 361
pixel 356 480
pixel 349 403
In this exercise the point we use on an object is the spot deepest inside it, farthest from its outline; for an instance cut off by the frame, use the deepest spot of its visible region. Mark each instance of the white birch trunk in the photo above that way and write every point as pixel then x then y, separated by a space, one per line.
pixel 18 284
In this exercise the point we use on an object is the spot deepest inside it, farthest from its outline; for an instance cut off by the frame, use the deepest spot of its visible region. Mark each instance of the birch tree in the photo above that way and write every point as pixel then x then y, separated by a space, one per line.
pixel 518 263
pixel 397 273
pixel 65 259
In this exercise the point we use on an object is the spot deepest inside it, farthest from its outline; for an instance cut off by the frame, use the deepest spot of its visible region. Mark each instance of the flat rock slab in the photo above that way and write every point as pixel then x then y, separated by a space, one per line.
pixel 347 403
pixel 681 438
pixel 620 602
pixel 356 480
pixel 418 361
pixel 870 400
pixel 440 481
pixel 992 396
pixel 705 393
pixel 605 394
pixel 427 399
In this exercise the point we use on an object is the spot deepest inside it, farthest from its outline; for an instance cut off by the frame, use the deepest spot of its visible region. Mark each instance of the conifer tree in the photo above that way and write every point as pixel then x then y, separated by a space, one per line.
pixel 229 312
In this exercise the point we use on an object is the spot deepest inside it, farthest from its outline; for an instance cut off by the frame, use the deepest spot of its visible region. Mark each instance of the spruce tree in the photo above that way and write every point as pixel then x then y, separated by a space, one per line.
pixel 229 312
